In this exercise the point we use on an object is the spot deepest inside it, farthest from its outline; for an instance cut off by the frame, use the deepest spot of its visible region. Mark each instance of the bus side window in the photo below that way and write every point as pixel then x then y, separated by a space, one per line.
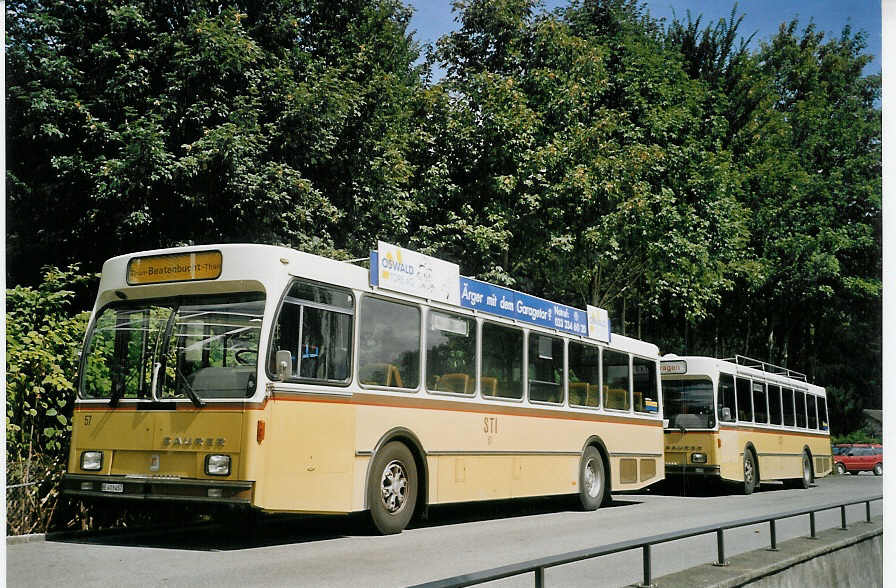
pixel 584 375
pixel 744 401
pixel 760 408
pixel 810 409
pixel 616 380
pixel 450 353
pixel 787 402
pixel 315 325
pixel 801 409
pixel 545 368
pixel 389 350
pixel 822 413
pixel 727 405
pixel 644 386
pixel 774 404
pixel 502 361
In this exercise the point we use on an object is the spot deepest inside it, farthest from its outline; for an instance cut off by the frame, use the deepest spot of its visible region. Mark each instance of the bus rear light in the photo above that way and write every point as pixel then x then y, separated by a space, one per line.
pixel 698 458
pixel 217 465
pixel 719 441
pixel 91 461
pixel 259 431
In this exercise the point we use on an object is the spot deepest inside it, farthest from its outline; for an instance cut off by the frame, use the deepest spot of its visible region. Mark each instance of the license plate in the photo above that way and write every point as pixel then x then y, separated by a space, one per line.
pixel 112 487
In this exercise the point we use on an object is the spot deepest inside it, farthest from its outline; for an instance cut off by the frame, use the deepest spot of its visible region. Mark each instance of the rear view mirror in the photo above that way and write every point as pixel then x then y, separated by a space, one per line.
pixel 284 364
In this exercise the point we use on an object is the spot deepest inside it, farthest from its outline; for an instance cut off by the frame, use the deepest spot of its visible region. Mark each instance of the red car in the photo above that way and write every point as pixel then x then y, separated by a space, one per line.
pixel 860 458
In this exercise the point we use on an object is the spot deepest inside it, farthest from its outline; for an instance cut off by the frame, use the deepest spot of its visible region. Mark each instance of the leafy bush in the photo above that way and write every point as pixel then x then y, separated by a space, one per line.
pixel 43 337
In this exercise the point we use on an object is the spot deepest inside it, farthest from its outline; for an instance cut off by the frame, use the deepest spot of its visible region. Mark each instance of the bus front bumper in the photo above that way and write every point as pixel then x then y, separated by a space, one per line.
pixel 151 488
pixel 704 471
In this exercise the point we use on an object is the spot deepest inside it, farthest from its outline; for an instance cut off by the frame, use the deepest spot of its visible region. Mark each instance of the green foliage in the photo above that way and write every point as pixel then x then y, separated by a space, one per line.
pixel 859 436
pixel 43 337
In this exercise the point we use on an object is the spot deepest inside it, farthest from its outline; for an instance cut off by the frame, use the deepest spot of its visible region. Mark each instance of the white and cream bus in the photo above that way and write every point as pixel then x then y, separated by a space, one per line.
pixel 286 382
pixel 743 420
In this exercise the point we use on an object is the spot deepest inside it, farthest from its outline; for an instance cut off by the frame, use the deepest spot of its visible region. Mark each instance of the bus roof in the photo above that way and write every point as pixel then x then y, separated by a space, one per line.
pixel 703 365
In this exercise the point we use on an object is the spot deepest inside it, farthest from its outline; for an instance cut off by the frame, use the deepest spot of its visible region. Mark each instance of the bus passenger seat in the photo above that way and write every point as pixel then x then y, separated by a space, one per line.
pixel 489 385
pixel 380 374
pixel 459 383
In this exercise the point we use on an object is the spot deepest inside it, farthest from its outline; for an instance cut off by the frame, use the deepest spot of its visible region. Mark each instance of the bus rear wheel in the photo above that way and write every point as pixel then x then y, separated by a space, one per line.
pixel 592 479
pixel 750 477
pixel 392 488
pixel 806 480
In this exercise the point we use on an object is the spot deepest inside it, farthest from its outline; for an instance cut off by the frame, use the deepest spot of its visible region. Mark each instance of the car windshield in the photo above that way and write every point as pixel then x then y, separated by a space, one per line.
pixel 191 347
pixel 689 403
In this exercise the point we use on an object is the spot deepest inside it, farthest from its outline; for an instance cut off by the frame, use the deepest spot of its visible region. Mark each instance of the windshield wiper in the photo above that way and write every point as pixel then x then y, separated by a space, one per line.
pixel 186 387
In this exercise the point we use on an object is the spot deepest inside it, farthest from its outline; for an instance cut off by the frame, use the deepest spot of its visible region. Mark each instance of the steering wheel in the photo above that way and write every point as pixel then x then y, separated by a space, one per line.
pixel 246 356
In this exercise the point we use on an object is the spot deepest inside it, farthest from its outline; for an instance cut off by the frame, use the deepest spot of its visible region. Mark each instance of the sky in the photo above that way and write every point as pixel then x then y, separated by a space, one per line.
pixel 433 18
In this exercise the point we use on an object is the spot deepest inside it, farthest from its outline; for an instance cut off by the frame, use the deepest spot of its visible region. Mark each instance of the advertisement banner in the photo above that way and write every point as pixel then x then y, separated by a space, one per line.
pixel 403 270
pixel 598 323
pixel 522 307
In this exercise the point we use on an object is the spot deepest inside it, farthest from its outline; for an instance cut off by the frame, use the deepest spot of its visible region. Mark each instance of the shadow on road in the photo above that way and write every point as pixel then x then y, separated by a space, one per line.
pixel 272 530
pixel 681 486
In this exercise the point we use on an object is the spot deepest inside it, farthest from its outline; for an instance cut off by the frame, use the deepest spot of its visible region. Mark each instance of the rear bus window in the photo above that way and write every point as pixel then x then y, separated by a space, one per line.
pixel 389 349
pixel 450 353
pixel 584 375
pixel 644 386
pixel 545 368
pixel 502 361
pixel 616 380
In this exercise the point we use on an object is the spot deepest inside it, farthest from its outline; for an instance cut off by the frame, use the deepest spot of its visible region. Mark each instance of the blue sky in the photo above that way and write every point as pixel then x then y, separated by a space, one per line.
pixel 433 18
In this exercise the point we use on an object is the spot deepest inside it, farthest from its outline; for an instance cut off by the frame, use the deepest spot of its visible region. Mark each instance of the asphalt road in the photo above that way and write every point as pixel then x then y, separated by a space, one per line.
pixel 325 551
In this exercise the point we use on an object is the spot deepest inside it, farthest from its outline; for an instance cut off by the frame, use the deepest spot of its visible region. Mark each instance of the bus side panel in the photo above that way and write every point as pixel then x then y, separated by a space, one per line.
pixel 478 455
pixel 779 453
pixel 310 456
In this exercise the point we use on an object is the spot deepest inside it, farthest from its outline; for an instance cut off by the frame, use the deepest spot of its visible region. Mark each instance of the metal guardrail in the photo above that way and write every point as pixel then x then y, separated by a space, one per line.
pixel 539 565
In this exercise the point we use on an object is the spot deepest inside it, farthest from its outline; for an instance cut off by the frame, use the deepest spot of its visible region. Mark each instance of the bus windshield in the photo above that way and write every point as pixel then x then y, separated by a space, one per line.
pixel 189 347
pixel 689 403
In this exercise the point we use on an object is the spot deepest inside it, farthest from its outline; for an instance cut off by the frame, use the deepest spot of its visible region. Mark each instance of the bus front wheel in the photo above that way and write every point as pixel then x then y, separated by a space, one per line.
pixel 750 472
pixel 592 479
pixel 392 488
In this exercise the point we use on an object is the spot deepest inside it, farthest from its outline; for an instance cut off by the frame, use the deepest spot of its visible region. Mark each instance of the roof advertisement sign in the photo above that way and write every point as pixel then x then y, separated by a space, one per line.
pixel 522 307
pixel 598 323
pixel 403 270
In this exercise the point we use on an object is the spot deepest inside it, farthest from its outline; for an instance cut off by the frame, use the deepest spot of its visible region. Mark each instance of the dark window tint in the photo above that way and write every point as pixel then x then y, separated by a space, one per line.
pixel 800 409
pixel 744 401
pixel 760 411
pixel 450 353
pixel 644 386
pixel 315 326
pixel 810 410
pixel 502 361
pixel 616 380
pixel 389 346
pixel 787 405
pixel 774 404
pixel 823 414
pixel 584 375
pixel 688 403
pixel 545 368
pixel 727 406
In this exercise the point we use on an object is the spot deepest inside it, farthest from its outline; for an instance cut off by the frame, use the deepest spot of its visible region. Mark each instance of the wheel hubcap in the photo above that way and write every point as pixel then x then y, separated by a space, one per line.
pixel 748 470
pixel 807 469
pixel 394 486
pixel 592 478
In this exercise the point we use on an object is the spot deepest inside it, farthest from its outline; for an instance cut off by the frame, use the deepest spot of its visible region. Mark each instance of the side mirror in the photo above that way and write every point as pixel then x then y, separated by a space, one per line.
pixel 284 364
pixel 665 423
pixel 726 413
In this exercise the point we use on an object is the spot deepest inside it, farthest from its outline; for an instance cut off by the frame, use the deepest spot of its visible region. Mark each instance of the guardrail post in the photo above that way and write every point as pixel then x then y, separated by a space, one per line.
pixel 812 525
pixel 539 577
pixel 720 540
pixel 843 517
pixel 867 511
pixel 645 550
pixel 771 529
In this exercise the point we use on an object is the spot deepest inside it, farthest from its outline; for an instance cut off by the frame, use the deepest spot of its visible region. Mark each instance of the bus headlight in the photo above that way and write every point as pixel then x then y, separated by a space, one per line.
pixel 698 458
pixel 217 465
pixel 91 461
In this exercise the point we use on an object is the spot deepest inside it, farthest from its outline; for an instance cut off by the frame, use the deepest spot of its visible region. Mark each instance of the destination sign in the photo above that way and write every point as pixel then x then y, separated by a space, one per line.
pixel 174 267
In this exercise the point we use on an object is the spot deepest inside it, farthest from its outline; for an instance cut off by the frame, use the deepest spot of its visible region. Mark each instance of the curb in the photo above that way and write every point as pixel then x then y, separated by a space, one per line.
pixel 32 538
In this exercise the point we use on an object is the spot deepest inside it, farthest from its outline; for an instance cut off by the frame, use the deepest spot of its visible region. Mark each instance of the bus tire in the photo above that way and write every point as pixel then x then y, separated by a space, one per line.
pixel 751 478
pixel 392 488
pixel 592 479
pixel 806 479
